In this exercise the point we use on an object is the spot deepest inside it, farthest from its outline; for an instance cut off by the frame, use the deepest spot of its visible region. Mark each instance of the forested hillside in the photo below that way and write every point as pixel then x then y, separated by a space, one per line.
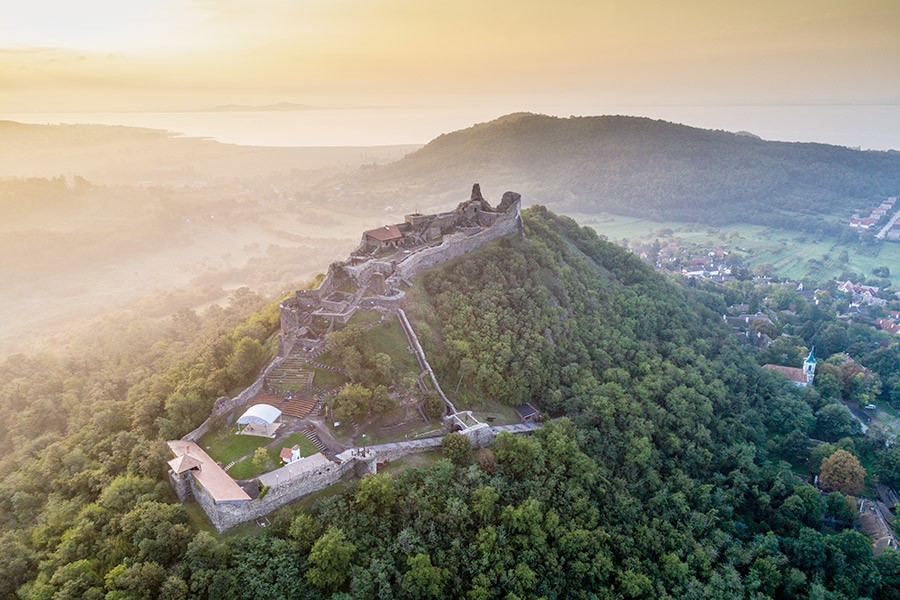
pixel 642 167
pixel 660 479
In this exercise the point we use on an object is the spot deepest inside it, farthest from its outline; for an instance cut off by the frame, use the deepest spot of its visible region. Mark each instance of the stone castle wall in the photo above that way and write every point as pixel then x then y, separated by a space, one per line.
pixel 294 319
pixel 458 244
pixel 225 516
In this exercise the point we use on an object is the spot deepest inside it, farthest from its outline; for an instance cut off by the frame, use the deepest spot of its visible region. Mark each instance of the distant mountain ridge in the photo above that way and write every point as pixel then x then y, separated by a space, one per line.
pixel 113 154
pixel 647 168
pixel 280 106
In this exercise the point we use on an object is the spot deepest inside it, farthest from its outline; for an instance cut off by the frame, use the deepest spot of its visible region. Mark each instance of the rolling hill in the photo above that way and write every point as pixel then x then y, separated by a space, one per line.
pixel 641 167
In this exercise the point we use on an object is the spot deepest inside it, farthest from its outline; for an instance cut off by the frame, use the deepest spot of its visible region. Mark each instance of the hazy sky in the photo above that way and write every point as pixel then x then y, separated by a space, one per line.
pixel 67 55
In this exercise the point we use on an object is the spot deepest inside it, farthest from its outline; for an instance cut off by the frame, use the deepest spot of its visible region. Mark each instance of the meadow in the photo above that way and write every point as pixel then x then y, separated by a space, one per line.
pixel 793 254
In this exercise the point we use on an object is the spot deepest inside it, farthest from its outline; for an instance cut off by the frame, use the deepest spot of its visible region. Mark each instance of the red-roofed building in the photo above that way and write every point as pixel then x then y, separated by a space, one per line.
pixel 889 325
pixel 382 237
pixel 794 374
pixel 289 455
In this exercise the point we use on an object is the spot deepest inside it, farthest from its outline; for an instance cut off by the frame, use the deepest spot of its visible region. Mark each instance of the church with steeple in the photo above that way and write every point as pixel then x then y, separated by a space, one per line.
pixel 800 377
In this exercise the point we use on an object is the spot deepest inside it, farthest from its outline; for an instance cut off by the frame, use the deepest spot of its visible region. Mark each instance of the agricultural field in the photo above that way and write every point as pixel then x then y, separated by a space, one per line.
pixel 793 254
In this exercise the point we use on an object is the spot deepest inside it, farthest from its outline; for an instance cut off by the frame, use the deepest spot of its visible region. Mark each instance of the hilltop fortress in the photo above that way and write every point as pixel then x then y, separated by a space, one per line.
pixel 387 258
pixel 372 278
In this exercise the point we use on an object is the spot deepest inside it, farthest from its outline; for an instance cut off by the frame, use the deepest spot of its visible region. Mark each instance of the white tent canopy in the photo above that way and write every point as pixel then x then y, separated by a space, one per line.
pixel 260 414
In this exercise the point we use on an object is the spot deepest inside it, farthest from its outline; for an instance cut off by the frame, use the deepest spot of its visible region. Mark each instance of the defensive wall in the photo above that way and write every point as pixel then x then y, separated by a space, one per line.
pixel 226 515
pixel 458 244
pixel 358 461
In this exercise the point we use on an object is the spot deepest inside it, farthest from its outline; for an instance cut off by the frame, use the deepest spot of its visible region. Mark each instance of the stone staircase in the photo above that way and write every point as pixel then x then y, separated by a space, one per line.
pixel 312 436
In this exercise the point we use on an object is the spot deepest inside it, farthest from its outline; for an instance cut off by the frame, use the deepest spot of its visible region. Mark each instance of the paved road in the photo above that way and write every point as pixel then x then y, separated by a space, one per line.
pixel 880 235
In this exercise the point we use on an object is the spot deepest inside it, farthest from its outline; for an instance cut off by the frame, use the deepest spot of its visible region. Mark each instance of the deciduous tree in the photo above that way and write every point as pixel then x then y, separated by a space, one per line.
pixel 842 472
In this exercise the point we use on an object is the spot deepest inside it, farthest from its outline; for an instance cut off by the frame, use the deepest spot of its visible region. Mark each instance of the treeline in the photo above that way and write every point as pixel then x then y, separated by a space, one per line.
pixel 647 168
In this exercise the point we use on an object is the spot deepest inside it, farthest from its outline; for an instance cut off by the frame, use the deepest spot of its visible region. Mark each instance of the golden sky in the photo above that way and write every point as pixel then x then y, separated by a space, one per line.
pixel 104 55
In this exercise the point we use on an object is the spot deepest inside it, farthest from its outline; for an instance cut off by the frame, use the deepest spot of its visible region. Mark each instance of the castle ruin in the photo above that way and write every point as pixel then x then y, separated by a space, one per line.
pixel 387 258
pixel 373 277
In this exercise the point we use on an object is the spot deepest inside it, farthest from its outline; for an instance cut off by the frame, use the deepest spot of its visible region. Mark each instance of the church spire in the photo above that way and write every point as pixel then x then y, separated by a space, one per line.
pixel 809 366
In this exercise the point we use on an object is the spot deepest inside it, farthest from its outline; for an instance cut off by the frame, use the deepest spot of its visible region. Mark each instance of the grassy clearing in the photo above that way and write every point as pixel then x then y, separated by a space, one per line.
pixel 616 227
pixel 374 436
pixel 362 318
pixel 390 339
pixel 503 414
pixel 413 461
pixel 328 379
pixel 284 387
pixel 247 469
pixel 197 518
pixel 226 446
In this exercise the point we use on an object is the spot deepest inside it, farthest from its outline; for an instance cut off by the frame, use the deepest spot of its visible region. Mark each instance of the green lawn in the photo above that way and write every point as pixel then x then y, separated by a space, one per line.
pixel 289 386
pixel 246 469
pixel 226 446
pixel 328 379
pixel 390 339
pixel 361 318
pixel 399 434
pixel 503 414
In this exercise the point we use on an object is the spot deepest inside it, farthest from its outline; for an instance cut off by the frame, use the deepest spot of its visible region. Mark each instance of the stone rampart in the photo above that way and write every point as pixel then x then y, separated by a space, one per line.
pixel 458 244
pixel 384 303
pixel 395 451
pixel 363 272
pixel 420 355
pixel 226 515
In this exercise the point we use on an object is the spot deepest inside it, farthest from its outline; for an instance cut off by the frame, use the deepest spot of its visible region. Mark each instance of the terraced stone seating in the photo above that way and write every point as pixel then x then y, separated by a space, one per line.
pixel 298 407
pixel 292 375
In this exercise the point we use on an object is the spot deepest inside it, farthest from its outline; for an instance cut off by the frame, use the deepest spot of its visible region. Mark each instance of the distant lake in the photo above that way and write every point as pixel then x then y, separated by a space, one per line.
pixel 867 126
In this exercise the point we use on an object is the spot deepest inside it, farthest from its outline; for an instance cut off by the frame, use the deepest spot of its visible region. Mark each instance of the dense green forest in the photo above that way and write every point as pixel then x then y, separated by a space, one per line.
pixel 643 167
pixel 659 479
